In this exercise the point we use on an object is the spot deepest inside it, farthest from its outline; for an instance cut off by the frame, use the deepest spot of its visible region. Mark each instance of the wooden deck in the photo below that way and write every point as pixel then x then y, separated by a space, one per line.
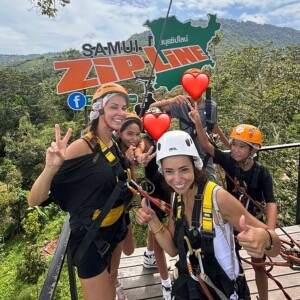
pixel 140 283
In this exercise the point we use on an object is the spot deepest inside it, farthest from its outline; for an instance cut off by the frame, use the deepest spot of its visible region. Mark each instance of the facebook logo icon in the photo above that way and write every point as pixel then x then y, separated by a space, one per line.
pixel 76 101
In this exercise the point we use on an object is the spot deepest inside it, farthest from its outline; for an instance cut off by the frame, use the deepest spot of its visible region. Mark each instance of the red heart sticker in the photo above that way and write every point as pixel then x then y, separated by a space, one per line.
pixel 195 83
pixel 156 124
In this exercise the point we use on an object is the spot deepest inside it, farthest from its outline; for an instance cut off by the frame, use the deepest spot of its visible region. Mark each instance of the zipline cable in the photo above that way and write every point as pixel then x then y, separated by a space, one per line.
pixel 155 59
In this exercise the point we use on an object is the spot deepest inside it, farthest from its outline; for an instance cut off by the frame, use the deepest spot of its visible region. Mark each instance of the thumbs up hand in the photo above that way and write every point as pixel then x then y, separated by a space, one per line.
pixel 145 213
pixel 252 239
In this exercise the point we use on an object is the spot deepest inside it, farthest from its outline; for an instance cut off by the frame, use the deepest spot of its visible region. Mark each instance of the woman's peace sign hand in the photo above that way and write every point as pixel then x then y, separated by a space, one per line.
pixel 56 153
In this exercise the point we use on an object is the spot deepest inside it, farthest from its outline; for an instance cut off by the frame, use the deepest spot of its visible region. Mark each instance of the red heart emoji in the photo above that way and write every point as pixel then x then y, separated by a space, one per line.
pixel 156 124
pixel 195 83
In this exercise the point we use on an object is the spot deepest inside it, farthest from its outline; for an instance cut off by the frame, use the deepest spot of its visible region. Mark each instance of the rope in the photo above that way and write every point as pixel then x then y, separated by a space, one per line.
pixel 290 259
pixel 164 206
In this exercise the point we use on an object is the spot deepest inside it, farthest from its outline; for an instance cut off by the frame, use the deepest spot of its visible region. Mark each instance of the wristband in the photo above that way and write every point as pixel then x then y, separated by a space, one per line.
pixel 159 230
pixel 271 241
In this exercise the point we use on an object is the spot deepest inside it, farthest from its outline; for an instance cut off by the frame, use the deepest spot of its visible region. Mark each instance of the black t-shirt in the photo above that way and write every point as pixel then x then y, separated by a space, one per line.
pixel 258 186
pixel 84 183
pixel 162 191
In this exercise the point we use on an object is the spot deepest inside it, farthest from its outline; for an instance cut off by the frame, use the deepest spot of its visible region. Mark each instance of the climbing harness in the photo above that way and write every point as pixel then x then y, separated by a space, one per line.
pixel 196 251
pixel 107 215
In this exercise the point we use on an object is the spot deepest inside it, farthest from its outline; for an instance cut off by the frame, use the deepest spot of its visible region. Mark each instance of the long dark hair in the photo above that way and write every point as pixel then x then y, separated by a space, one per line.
pixel 130 121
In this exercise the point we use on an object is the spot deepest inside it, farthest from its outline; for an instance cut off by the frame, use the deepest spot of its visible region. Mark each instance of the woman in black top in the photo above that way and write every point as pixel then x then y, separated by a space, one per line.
pixel 81 179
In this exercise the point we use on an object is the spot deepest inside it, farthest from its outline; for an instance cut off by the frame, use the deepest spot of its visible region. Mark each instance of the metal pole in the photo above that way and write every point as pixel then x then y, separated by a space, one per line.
pixel 298 194
pixel 86 116
pixel 72 276
pixel 54 271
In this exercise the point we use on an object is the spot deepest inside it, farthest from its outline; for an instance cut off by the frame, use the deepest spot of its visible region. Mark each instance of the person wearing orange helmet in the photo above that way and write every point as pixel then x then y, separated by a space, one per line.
pixel 250 176
pixel 88 180
pixel 178 108
pixel 139 150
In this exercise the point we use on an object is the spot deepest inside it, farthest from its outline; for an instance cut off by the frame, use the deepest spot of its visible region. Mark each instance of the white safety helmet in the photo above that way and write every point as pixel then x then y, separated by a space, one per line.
pixel 176 142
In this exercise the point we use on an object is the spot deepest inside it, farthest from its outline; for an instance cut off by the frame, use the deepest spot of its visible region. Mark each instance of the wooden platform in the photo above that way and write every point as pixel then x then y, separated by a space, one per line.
pixel 140 283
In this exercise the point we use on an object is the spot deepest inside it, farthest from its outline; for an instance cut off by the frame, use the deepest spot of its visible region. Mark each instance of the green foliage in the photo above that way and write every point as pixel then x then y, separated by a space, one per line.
pixel 18 96
pixel 48 7
pixel 31 224
pixel 24 150
pixel 9 174
pixel 32 266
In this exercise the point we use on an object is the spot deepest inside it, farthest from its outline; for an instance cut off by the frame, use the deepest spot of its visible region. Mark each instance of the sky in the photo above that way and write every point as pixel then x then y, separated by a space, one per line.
pixel 24 31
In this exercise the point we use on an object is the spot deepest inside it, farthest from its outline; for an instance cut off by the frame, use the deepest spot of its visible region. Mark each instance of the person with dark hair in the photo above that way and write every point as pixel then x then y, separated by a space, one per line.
pixel 200 228
pixel 141 150
pixel 129 140
pixel 88 180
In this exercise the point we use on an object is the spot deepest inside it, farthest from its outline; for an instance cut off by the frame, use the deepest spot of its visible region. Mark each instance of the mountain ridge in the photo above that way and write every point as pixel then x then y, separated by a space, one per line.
pixel 235 34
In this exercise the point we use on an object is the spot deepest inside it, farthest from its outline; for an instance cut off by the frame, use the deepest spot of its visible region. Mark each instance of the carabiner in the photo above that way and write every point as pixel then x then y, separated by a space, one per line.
pixel 148 184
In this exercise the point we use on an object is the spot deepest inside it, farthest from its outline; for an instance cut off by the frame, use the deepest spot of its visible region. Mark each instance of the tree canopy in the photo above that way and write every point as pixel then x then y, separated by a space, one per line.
pixel 49 7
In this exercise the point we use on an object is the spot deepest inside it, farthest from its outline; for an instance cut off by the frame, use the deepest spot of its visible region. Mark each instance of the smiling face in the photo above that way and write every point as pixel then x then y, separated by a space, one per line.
pixel 115 111
pixel 178 172
pixel 239 150
pixel 131 135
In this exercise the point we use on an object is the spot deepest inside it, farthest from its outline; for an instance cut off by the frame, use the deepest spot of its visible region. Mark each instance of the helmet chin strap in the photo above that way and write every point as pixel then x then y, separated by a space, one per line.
pixel 246 161
pixel 102 116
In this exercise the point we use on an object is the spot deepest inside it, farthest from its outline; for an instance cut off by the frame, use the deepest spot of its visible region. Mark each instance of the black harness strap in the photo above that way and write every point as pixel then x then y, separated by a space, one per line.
pixel 209 123
pixel 197 208
pixel 178 214
pixel 240 178
pixel 92 226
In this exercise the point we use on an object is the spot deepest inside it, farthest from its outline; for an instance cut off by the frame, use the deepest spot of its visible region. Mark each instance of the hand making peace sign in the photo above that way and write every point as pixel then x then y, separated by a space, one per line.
pixel 55 154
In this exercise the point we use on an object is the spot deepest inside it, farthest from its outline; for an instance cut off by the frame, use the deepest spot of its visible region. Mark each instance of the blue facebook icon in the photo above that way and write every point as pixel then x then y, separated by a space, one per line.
pixel 76 100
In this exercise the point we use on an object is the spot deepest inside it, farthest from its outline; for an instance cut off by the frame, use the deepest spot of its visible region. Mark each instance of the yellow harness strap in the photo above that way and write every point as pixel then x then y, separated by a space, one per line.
pixel 179 206
pixel 108 154
pixel 207 207
pixel 112 217
pixel 115 213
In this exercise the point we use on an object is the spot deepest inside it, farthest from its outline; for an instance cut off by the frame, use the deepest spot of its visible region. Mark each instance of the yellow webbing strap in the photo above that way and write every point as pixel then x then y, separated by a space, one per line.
pixel 179 206
pixel 113 215
pixel 207 207
pixel 108 154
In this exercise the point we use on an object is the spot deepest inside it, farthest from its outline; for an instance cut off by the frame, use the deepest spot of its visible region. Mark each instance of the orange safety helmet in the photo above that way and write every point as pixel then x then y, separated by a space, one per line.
pixel 248 134
pixel 193 71
pixel 109 88
pixel 134 117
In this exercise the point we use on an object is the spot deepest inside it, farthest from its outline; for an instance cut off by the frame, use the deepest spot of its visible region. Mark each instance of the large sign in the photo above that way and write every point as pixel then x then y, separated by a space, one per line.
pixel 181 47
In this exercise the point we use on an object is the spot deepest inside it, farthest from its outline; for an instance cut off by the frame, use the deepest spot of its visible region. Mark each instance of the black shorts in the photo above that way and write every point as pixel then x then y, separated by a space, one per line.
pixel 127 218
pixel 92 264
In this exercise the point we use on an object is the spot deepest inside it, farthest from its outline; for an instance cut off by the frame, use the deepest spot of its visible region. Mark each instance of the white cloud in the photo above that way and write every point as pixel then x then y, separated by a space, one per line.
pixel 22 31
pixel 260 19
